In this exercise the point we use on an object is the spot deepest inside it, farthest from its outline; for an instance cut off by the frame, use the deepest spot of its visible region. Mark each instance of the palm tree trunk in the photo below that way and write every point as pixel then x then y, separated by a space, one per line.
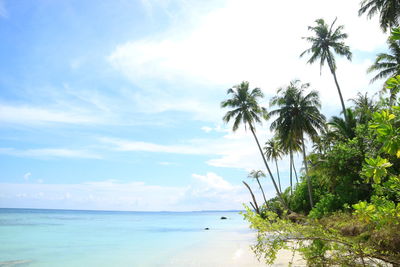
pixel 291 172
pixel 268 169
pixel 279 178
pixel 295 172
pixel 253 197
pixel 308 177
pixel 262 191
pixel 338 87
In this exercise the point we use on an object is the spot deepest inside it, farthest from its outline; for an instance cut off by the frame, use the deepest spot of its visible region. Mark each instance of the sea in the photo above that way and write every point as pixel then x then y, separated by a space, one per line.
pixel 38 237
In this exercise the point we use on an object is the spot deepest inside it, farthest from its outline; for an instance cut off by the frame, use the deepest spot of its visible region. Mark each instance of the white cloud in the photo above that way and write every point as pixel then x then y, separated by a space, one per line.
pixel 27 175
pixel 49 153
pixel 208 191
pixel 243 40
pixel 206 129
pixel 38 115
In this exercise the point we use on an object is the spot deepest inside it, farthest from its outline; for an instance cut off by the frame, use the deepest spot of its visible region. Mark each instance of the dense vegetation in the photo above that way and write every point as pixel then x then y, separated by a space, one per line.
pixel 344 209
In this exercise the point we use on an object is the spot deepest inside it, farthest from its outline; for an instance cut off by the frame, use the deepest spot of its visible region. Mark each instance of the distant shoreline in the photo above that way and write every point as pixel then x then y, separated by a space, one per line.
pixel 137 211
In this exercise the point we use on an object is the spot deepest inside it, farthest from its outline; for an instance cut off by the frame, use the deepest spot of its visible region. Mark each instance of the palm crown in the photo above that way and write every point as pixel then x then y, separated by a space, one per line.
pixel 387 65
pixel 326 41
pixel 245 106
pixel 388 10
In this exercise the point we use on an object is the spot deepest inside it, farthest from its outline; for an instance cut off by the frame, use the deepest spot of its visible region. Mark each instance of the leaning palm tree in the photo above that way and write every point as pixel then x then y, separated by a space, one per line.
pixel 325 42
pixel 387 64
pixel 389 11
pixel 257 175
pixel 246 110
pixel 273 151
pixel 298 114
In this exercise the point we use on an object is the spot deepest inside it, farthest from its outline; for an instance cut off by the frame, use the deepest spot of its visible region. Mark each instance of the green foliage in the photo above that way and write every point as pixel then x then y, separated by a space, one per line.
pixel 325 206
pixel 376 168
pixel 386 125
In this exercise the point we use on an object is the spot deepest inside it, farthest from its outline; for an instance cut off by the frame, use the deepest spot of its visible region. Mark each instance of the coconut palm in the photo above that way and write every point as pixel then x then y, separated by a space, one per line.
pixel 257 175
pixel 364 107
pixel 273 151
pixel 344 129
pixel 325 42
pixel 290 145
pixel 389 11
pixel 387 64
pixel 298 115
pixel 246 110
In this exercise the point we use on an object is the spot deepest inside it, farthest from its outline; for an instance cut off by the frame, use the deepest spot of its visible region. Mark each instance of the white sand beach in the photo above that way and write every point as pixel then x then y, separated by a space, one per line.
pixel 229 249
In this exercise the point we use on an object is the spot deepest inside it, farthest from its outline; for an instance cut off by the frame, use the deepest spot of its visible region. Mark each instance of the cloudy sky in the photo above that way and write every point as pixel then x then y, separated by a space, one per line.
pixel 114 104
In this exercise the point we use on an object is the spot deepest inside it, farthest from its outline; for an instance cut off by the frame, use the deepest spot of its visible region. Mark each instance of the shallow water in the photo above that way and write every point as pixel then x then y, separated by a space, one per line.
pixel 102 238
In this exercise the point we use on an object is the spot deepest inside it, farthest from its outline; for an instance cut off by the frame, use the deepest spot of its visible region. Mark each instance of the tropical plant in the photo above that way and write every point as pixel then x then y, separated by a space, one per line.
pixel 290 145
pixel 342 128
pixel 325 42
pixel 246 110
pixel 273 151
pixel 389 11
pixel 393 86
pixel 364 107
pixel 257 175
pixel 297 114
pixel 387 64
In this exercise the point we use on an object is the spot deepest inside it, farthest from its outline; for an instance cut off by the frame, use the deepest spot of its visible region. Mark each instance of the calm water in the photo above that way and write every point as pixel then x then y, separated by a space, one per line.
pixel 100 238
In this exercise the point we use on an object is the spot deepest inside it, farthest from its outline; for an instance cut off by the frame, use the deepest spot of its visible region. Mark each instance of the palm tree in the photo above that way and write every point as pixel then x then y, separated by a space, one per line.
pixel 246 110
pixel 327 41
pixel 387 65
pixel 298 114
pixel 290 145
pixel 364 107
pixel 273 151
pixel 389 11
pixel 257 175
pixel 344 129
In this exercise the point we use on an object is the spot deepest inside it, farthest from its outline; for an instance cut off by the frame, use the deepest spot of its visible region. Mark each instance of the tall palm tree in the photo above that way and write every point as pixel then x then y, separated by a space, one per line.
pixel 298 115
pixel 387 65
pixel 389 11
pixel 289 145
pixel 325 42
pixel 273 151
pixel 246 110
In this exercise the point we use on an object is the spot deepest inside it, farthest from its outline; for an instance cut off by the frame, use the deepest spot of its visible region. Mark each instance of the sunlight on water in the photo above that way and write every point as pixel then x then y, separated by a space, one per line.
pixel 101 238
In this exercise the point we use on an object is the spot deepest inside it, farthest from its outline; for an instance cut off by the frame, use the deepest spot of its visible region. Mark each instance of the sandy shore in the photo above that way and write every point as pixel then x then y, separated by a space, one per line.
pixel 228 249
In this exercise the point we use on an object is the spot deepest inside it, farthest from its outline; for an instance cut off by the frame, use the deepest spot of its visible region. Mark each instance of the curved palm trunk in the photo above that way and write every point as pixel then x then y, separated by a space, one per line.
pixel 255 206
pixel 308 177
pixel 338 87
pixel 279 178
pixel 268 169
pixel 262 191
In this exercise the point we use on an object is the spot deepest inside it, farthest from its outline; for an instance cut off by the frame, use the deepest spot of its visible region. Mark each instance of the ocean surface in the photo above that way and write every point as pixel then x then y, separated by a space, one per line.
pixel 34 237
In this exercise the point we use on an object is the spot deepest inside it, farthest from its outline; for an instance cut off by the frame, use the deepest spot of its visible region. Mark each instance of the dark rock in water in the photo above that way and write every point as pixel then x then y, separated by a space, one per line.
pixel 206 228
pixel 223 218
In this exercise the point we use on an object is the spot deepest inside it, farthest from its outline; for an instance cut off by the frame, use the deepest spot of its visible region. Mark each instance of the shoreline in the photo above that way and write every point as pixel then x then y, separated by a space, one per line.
pixel 229 249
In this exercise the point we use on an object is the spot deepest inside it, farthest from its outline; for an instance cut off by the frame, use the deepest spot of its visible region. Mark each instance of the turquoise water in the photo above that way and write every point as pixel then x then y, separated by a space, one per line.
pixel 104 238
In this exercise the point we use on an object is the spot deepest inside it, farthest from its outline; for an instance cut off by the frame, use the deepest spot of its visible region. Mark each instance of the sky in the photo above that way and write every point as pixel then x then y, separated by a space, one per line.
pixel 115 104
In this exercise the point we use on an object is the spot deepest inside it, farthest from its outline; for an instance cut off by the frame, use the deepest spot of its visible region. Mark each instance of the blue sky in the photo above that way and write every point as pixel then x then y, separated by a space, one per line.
pixel 115 104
